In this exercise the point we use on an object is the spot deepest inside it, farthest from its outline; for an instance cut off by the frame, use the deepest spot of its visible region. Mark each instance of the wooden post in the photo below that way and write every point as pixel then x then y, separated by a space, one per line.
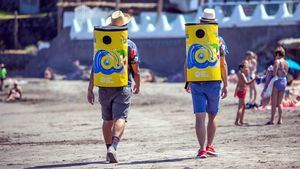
pixel 118 4
pixel 160 4
pixel 16 30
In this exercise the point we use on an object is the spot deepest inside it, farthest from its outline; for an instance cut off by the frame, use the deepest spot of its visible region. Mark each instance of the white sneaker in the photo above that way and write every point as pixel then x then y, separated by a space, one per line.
pixel 112 155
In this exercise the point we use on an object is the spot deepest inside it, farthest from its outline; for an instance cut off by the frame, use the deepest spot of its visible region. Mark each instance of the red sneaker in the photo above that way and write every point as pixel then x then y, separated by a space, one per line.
pixel 201 154
pixel 211 151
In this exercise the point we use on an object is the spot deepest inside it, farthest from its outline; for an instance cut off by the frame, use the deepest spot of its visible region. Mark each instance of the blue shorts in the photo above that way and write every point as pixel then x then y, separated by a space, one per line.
pixel 206 97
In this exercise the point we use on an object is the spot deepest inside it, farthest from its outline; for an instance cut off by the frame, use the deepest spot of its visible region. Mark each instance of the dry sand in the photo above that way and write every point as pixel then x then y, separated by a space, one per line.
pixel 55 127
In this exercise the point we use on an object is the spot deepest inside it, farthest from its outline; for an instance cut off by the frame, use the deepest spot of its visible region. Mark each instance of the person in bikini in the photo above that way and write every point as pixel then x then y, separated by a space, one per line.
pixel 240 92
pixel 280 71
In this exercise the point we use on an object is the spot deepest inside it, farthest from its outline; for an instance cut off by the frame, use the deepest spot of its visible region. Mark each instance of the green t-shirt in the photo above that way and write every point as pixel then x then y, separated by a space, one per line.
pixel 3 73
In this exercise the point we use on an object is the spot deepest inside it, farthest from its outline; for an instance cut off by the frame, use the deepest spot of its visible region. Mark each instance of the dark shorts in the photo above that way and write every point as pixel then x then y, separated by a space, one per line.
pixel 115 102
pixel 206 97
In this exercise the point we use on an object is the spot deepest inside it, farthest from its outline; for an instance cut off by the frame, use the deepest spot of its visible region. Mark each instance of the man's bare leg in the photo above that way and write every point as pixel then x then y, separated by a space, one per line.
pixel 119 127
pixel 211 129
pixel 118 130
pixel 200 129
pixel 107 131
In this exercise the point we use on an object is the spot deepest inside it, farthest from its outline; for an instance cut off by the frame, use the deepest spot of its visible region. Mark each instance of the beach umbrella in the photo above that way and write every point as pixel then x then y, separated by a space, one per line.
pixel 293 64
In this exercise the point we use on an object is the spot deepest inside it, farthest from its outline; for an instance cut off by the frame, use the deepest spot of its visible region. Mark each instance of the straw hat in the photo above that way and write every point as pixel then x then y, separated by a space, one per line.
pixel 118 18
pixel 209 15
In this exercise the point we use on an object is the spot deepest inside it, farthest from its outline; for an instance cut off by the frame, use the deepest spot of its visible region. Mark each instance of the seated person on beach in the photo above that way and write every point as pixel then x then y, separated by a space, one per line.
pixel 149 77
pixel 49 74
pixel 15 93
pixel 240 92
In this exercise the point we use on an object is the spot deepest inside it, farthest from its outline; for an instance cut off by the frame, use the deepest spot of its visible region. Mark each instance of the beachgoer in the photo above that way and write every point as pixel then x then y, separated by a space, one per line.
pixel 240 92
pixel 115 101
pixel 206 88
pixel 280 72
pixel 49 74
pixel 3 73
pixel 15 93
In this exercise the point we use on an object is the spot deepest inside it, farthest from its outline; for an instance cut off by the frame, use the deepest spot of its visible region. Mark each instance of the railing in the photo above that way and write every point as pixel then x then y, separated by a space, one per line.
pixel 83 19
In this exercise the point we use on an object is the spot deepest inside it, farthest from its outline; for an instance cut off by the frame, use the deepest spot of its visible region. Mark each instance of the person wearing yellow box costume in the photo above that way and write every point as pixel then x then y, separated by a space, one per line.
pixel 205 69
pixel 111 57
pixel 115 63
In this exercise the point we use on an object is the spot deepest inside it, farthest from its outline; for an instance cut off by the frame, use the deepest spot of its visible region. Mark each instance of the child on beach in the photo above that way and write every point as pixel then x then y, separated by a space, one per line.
pixel 240 92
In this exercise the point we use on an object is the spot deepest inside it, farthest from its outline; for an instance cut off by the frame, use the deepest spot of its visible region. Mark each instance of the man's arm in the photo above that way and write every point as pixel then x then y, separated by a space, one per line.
pixel 90 95
pixel 136 77
pixel 187 84
pixel 224 74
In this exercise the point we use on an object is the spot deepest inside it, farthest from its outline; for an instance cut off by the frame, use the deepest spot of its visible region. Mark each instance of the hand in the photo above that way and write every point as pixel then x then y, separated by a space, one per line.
pixel 188 88
pixel 224 92
pixel 136 89
pixel 235 94
pixel 91 97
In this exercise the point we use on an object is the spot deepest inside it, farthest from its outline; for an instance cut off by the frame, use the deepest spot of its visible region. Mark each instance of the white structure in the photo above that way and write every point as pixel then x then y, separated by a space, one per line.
pixel 83 20
pixel 186 5
pixel 260 17
pixel 178 28
pixel 237 19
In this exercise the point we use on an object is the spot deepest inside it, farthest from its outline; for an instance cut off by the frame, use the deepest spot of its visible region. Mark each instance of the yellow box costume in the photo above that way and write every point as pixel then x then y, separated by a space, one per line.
pixel 110 56
pixel 202 52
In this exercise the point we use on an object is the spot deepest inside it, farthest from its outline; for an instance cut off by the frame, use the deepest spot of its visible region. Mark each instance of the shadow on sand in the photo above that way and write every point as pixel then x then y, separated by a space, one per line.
pixel 253 125
pixel 157 161
pixel 104 162
pixel 67 165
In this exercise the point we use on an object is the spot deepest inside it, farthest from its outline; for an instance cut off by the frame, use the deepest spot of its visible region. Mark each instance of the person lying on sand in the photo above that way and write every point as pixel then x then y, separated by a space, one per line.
pixel 15 93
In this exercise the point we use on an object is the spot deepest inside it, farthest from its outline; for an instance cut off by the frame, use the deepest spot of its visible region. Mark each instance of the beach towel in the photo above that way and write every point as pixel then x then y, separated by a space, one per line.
pixel 269 88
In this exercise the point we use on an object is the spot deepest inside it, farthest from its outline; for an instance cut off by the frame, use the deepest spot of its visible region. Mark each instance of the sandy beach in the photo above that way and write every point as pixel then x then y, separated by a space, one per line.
pixel 55 127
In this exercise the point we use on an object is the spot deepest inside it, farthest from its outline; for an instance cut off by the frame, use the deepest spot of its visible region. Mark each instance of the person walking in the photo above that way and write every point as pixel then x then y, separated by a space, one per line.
pixel 205 69
pixel 118 65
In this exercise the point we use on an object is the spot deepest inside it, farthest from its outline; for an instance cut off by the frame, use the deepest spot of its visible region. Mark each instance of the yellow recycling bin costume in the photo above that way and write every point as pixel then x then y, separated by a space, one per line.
pixel 202 52
pixel 110 56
